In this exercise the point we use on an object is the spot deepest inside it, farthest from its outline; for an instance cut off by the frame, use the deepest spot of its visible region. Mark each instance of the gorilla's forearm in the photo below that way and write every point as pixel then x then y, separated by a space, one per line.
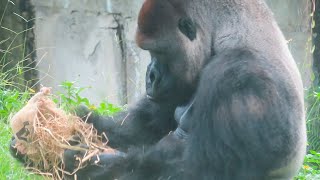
pixel 144 124
pixel 162 159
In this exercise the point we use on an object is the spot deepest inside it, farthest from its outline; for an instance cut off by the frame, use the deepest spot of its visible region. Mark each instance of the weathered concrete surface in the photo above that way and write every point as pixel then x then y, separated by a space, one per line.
pixel 92 42
pixel 293 17
pixel 84 41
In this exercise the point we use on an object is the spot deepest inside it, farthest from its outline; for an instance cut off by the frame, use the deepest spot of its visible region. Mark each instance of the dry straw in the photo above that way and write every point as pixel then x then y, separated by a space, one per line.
pixel 43 132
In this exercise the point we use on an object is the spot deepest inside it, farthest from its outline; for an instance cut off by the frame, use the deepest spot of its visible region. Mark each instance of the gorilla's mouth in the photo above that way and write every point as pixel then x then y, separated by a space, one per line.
pixel 170 96
pixel 150 97
pixel 159 97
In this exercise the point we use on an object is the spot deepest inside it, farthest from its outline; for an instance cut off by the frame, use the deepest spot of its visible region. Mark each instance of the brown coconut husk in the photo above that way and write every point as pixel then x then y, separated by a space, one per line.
pixel 43 132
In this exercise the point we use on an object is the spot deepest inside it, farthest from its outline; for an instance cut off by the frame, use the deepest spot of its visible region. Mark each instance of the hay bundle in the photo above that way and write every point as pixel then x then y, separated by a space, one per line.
pixel 43 132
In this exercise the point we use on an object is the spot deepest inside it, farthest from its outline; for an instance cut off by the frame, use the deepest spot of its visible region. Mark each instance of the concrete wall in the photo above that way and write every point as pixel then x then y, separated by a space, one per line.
pixel 92 42
pixel 293 17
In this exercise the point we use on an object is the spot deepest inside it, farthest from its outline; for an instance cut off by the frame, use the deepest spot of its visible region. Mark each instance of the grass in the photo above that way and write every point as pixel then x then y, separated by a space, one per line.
pixel 11 73
pixel 10 101
pixel 10 168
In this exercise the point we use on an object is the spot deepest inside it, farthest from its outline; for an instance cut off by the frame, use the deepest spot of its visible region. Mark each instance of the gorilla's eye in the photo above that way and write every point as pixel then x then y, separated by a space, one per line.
pixel 188 28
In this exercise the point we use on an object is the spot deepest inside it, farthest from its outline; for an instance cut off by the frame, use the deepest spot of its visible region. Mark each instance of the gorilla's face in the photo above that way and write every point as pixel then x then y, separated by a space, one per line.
pixel 176 45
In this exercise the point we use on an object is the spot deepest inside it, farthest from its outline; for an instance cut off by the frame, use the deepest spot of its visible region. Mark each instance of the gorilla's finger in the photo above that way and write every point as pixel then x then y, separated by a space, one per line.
pixel 107 158
pixel 71 158
pixel 82 111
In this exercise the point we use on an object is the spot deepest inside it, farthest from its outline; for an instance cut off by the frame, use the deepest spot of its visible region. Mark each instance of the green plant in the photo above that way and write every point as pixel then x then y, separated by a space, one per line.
pixel 11 169
pixel 311 167
pixel 71 97
pixel 313 118
pixel 11 101
pixel 106 108
pixel 13 92
pixel 15 56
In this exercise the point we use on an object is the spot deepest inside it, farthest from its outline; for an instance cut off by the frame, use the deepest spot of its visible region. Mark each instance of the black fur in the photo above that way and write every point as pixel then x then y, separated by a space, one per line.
pixel 224 98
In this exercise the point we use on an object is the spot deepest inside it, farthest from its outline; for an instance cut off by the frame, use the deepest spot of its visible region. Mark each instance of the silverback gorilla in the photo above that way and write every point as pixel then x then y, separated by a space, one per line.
pixel 224 99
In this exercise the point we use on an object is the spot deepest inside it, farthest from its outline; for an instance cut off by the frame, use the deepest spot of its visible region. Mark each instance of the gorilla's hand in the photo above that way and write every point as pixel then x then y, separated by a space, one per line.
pixel 84 113
pixel 72 159
pixel 102 124
pixel 16 151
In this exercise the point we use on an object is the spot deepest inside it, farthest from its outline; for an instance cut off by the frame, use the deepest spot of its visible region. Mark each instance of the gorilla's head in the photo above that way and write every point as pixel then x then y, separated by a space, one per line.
pixel 177 46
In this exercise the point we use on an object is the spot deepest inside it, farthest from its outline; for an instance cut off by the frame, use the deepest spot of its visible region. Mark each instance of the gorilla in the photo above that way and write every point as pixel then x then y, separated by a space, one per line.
pixel 224 99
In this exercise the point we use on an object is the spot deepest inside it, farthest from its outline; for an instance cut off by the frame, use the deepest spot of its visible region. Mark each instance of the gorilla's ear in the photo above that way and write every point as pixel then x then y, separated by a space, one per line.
pixel 188 28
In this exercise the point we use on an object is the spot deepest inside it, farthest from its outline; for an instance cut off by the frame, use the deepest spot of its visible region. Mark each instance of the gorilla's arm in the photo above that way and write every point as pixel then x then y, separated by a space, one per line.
pixel 161 160
pixel 143 124
pixel 246 133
